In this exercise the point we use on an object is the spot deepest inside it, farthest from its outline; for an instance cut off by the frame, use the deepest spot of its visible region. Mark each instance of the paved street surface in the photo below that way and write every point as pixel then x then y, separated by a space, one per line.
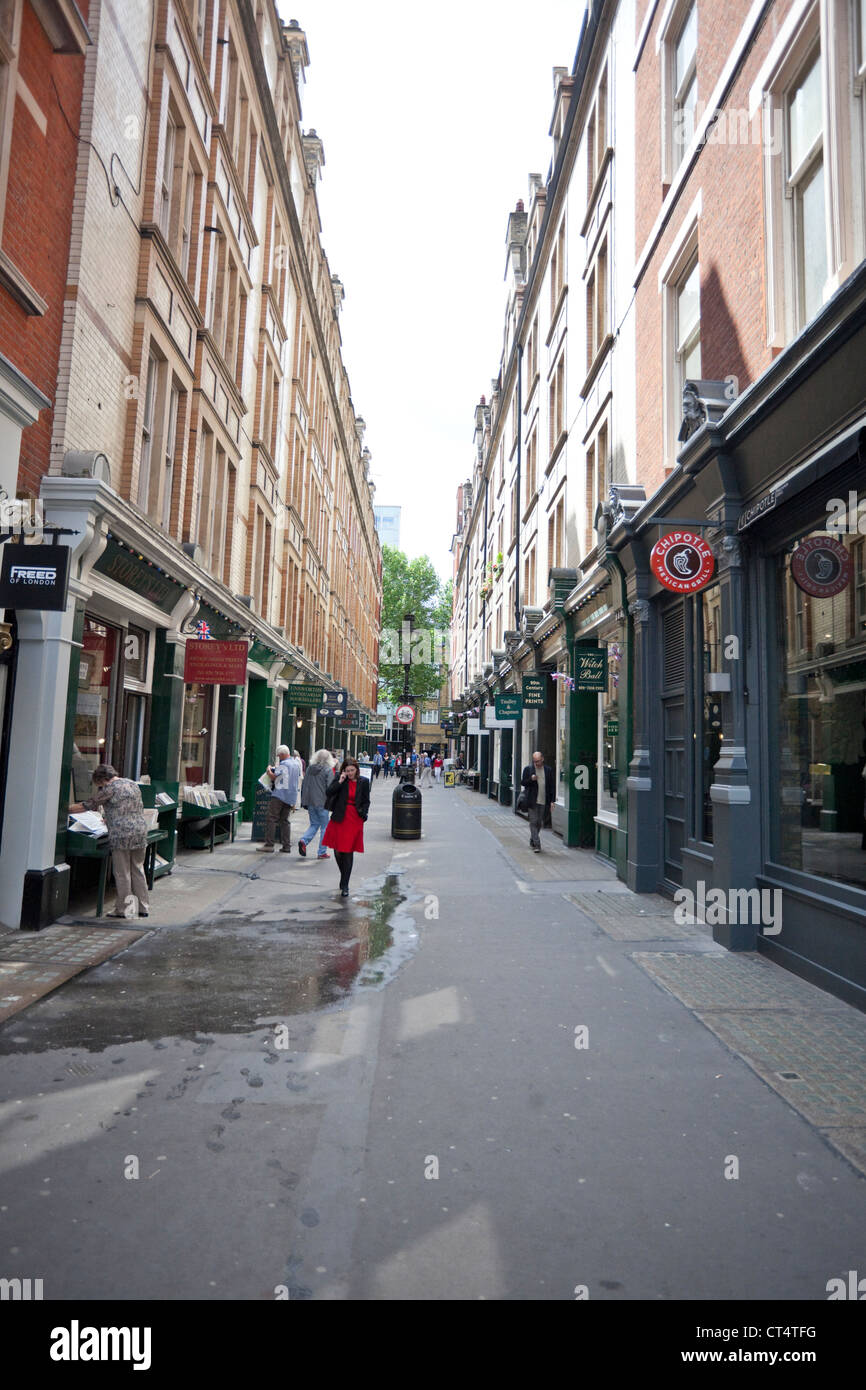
pixel 490 1075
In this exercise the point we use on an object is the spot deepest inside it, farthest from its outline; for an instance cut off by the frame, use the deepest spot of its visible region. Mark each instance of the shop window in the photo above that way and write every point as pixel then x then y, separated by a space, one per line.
pixel 820 735
pixel 610 734
pixel 96 702
pixel 195 748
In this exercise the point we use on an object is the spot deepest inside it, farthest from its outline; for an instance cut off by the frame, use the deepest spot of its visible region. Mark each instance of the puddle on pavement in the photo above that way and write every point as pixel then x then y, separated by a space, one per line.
pixel 227 974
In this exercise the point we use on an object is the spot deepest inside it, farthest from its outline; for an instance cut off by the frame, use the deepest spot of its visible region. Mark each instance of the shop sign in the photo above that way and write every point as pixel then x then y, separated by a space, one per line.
pixel 509 706
pixel 473 727
pixel 821 566
pixel 354 719
pixel 404 714
pixel 766 504
pixel 377 728
pixel 535 691
pixel 308 696
pixel 682 562
pixel 334 702
pixel 590 668
pixel 215 663
pixel 612 728
pixel 34 576
pixel 492 720
pixel 138 575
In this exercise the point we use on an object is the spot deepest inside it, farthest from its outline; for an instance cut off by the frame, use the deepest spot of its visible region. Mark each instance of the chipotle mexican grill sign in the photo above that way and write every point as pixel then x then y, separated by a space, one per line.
pixel 682 562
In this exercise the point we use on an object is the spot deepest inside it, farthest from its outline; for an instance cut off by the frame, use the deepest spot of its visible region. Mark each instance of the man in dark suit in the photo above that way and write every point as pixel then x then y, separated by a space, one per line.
pixel 540 787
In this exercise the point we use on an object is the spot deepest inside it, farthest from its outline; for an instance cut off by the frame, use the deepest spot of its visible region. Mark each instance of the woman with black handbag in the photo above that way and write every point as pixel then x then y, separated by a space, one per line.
pixel 348 800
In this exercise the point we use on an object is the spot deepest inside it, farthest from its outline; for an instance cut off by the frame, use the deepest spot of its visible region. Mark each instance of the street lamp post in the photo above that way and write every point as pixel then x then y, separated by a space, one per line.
pixel 408 618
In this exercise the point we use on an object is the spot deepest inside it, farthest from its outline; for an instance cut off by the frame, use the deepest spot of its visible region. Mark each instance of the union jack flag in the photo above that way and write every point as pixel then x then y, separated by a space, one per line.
pixel 202 631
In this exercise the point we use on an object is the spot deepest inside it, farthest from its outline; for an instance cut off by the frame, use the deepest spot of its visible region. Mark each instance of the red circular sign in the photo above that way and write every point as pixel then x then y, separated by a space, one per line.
pixel 682 562
pixel 821 566
pixel 405 714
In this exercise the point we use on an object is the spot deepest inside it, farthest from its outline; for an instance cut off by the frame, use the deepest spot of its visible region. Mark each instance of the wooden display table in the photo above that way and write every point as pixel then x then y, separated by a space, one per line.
pixel 200 825
pixel 80 846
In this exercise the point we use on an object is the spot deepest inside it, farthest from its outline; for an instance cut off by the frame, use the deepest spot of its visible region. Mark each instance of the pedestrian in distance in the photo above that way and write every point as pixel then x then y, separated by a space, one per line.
pixel 437 768
pixel 377 765
pixel 426 770
pixel 318 778
pixel 120 802
pixel 286 773
pixel 348 800
pixel 540 788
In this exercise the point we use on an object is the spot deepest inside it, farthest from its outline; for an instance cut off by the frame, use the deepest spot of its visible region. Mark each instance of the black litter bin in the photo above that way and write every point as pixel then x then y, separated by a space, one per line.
pixel 406 812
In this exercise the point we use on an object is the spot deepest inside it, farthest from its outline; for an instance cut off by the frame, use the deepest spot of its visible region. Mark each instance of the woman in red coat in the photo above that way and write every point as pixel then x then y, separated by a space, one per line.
pixel 348 800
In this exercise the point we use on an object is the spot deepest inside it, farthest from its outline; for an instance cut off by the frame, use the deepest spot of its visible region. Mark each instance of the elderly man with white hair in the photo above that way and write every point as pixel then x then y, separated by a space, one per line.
pixel 284 795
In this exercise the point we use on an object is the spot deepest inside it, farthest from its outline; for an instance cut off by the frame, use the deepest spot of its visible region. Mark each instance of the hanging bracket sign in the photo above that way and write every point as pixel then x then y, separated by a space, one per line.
pixel 682 562
pixel 821 566
pixel 215 663
pixel 34 576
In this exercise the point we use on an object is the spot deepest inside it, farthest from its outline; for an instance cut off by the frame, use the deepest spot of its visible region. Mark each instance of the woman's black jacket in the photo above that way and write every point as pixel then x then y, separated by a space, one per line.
pixel 337 798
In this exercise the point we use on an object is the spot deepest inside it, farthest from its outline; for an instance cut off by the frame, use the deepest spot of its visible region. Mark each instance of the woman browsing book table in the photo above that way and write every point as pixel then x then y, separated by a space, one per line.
pixel 120 803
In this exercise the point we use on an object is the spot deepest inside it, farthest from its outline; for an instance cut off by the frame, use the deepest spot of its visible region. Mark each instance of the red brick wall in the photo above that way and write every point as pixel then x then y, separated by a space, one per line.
pixel 731 229
pixel 36 224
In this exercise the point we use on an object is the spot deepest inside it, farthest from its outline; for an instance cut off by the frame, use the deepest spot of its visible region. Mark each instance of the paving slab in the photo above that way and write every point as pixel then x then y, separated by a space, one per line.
pixel 32 964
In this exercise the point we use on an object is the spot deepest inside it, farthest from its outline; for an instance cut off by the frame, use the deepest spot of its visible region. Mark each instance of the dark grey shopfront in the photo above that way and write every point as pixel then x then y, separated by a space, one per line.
pixel 749 769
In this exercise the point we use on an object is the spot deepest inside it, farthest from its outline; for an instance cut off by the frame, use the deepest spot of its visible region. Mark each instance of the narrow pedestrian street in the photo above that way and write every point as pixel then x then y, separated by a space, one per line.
pixel 489 1075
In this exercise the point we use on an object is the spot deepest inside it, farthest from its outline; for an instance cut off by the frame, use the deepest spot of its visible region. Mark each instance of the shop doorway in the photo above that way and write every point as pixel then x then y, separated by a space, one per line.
pixel 136 719
pixel 674 753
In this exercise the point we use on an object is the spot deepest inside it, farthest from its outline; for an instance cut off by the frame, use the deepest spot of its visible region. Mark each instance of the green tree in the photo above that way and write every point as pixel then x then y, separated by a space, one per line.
pixel 413 586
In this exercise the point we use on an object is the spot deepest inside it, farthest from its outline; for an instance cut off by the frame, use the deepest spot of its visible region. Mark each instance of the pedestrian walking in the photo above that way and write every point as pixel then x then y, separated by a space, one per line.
pixel 537 800
pixel 120 802
pixel 318 778
pixel 426 771
pixel 284 796
pixel 377 765
pixel 437 768
pixel 348 800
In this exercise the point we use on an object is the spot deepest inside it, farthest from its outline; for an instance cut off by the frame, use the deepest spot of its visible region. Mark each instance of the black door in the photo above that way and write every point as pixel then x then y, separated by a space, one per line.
pixel 674 749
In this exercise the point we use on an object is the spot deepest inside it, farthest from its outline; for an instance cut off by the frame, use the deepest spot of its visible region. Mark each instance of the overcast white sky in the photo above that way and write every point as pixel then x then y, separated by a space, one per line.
pixel 432 117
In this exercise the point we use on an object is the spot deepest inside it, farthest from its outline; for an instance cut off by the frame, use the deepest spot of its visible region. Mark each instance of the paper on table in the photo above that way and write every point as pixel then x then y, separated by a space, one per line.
pixel 88 823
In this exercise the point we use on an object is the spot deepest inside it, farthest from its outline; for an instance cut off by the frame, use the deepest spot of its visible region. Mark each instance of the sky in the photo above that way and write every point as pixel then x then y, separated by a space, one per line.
pixel 432 118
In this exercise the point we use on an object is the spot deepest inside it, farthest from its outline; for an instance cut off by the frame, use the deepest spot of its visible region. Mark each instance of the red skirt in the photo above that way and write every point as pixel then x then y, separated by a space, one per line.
pixel 345 836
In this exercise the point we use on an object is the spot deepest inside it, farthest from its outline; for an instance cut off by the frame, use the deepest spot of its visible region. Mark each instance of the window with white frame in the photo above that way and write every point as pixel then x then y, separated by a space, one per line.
pixel 597 479
pixel 10 37
pixel 147 421
pixel 804 187
pixel 687 345
pixel 168 451
pixel 678 45
pixel 597 305
pixel 810 89
pixel 556 405
pixel 680 288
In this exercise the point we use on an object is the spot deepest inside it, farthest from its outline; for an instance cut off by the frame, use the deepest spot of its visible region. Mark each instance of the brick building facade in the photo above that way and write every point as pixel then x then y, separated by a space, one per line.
pixel 731 738
pixel 204 444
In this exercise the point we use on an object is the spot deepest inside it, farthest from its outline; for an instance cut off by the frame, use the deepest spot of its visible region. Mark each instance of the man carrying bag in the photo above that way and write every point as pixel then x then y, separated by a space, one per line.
pixel 284 796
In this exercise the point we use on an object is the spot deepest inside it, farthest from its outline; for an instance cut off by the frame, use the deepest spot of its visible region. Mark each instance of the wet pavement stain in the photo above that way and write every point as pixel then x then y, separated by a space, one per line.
pixel 228 974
